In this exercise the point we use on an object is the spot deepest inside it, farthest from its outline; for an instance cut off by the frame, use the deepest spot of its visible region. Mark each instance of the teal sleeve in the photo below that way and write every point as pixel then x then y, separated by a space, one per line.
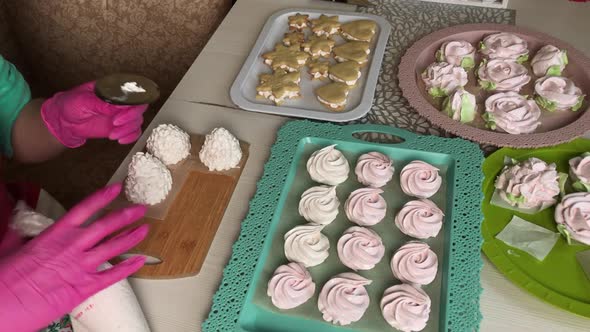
pixel 14 95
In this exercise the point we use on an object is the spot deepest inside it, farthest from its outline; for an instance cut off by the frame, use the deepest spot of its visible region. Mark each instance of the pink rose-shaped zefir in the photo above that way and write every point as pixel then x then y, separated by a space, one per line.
pixel 556 93
pixel 290 286
pixel 512 113
pixel 420 219
pixel 374 169
pixel 415 263
pixel 549 60
pixel 580 172
pixel 365 206
pixel 360 248
pixel 344 298
pixel 458 53
pixel 420 179
pixel 502 75
pixel 572 216
pixel 442 79
pixel 504 46
pixel 405 307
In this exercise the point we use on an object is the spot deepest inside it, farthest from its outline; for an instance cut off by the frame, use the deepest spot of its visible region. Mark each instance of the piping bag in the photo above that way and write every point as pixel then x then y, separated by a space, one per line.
pixel 114 309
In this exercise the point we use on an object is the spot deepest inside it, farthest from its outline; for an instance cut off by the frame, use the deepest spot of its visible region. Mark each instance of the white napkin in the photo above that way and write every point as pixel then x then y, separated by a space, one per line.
pixel 526 236
pixel 583 258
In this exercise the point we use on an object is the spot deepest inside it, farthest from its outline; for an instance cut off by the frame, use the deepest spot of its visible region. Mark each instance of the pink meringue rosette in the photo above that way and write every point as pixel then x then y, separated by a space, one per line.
pixel 420 179
pixel 458 53
pixel 415 263
pixel 580 172
pixel 502 75
pixel 405 307
pixel 556 93
pixel 374 169
pixel 344 298
pixel 512 113
pixel 442 79
pixel 572 216
pixel 290 286
pixel 504 45
pixel 365 206
pixel 550 61
pixel 360 248
pixel 421 219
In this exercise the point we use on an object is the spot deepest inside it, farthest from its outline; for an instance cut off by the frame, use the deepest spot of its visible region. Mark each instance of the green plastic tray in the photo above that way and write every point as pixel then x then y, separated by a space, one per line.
pixel 558 279
pixel 241 303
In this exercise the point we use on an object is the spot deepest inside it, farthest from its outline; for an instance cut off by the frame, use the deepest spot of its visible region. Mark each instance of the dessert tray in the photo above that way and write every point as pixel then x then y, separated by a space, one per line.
pixel 242 304
pixel 558 279
pixel 360 99
pixel 555 128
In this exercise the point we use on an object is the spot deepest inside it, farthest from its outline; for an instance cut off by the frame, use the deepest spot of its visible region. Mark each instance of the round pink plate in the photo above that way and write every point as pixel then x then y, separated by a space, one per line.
pixel 556 127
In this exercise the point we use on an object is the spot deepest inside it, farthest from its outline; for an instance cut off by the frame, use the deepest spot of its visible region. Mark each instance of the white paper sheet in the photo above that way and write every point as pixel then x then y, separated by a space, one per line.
pixel 528 237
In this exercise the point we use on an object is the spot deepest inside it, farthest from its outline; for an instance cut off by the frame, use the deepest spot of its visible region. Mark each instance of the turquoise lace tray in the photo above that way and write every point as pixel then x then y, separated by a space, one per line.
pixel 239 292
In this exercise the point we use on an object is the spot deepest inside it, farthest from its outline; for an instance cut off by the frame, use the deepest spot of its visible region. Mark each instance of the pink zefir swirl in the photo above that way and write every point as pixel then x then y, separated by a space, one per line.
pixel 420 179
pixel 365 206
pixel 559 90
pixel 405 307
pixel 420 219
pixel 455 51
pixel 580 168
pixel 504 45
pixel 444 76
pixel 290 286
pixel 512 113
pixel 344 298
pixel 504 75
pixel 374 169
pixel 573 213
pixel 415 263
pixel 360 248
pixel 548 57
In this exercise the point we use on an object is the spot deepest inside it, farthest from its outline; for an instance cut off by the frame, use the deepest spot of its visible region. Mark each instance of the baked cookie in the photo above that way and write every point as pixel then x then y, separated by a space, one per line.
pixel 290 58
pixel 361 30
pixel 279 85
pixel 325 25
pixel 333 95
pixel 298 22
pixel 357 51
pixel 345 72
pixel 293 38
pixel 319 69
pixel 319 46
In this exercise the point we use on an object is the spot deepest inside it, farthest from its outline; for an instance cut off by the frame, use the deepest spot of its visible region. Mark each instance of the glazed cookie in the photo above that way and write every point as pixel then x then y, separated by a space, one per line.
pixel 289 58
pixel 352 51
pixel 361 30
pixel 319 46
pixel 333 95
pixel 279 86
pixel 325 25
pixel 319 69
pixel 298 21
pixel 293 38
pixel 345 72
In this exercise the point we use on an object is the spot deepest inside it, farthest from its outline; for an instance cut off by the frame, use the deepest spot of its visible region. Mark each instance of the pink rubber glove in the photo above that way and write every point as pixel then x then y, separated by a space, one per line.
pixel 78 114
pixel 51 274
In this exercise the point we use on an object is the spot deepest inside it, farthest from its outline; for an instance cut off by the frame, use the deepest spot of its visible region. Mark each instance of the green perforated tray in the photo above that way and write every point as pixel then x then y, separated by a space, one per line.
pixel 241 303
pixel 558 279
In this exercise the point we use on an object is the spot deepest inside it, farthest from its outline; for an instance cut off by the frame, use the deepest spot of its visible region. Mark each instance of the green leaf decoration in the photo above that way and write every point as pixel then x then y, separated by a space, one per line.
pixel 467 109
pixel 487 85
pixel 578 105
pixel 522 59
pixel 467 63
pixel 562 179
pixel 515 199
pixel 564 57
pixel 440 57
pixel 490 121
pixel 482 46
pixel 581 186
pixel 564 232
pixel 437 92
pixel 446 107
pixel 546 104
pixel 554 70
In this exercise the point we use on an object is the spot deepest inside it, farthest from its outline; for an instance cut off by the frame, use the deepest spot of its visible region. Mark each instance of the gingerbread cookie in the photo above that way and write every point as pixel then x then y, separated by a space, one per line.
pixel 333 95
pixel 298 22
pixel 345 72
pixel 293 38
pixel 361 30
pixel 279 86
pixel 319 69
pixel 325 25
pixel 290 58
pixel 319 46
pixel 352 51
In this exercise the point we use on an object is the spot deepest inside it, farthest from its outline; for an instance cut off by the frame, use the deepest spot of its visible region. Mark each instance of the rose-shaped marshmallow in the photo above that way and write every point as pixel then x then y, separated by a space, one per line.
pixel 290 286
pixel 580 172
pixel 405 307
pixel 319 205
pixel 442 79
pixel 344 298
pixel 328 166
pixel 461 106
pixel 374 169
pixel 511 113
pixel 360 248
pixel 307 245
pixel 502 75
pixel 365 206
pixel 458 53
pixel 556 93
pixel 572 216
pixel 415 263
pixel 420 179
pixel 504 45
pixel 531 184
pixel 420 219
pixel 549 60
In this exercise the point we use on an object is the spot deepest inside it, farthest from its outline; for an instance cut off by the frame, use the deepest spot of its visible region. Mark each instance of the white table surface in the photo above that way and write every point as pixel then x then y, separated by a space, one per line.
pixel 201 102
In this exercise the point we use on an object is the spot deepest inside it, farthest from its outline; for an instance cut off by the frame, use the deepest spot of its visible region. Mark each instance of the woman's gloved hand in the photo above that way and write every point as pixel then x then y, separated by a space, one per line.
pixel 54 272
pixel 78 114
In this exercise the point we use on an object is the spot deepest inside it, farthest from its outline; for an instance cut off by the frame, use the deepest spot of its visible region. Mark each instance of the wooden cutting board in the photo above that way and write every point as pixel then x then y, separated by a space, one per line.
pixel 184 225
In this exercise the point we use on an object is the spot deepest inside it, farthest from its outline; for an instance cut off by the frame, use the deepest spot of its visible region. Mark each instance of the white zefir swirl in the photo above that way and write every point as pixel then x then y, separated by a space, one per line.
pixel 415 263
pixel 360 248
pixel 502 75
pixel 307 245
pixel 405 307
pixel 442 79
pixel 512 113
pixel 458 53
pixel 420 219
pixel 328 166
pixel 290 286
pixel 319 205
pixel 556 93
pixel 420 179
pixel 549 60
pixel 572 216
pixel 344 298
pixel 504 45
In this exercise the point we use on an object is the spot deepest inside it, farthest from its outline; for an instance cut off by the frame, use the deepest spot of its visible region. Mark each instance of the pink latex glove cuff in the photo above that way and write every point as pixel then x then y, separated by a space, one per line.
pixel 74 116
pixel 54 272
